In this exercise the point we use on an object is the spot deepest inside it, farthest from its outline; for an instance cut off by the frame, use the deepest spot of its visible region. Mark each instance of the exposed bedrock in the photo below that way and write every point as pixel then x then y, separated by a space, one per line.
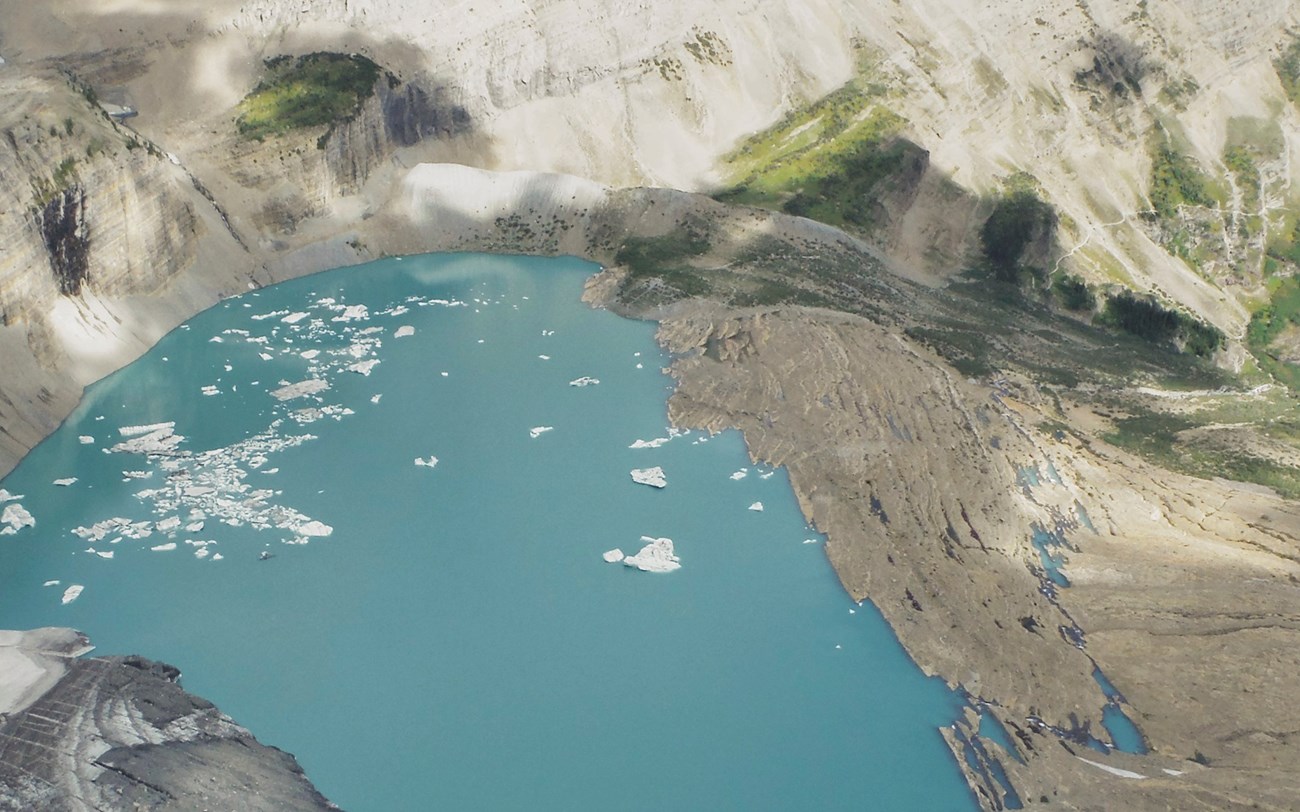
pixel 110 733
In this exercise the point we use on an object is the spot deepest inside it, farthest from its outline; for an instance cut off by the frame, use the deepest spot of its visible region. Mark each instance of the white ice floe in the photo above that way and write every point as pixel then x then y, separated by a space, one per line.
pixel 404 331
pixel 217 556
pixel 309 354
pixel 757 506
pixel 654 477
pixel 194 527
pixel 294 318
pixel 353 313
pixel 1112 770
pixel 445 374
pixel 613 556
pixel 640 366
pixel 136 431
pixel 431 462
pixel 810 541
pixel 585 380
pixel 375 398
pixel 656 556
pixel 15 517
pixel 296 390
pixel 767 475
pixel 741 474
pixel 201 552
pixel 168 525
pixel 86 439
pixel 108 554
pixel 164 548
pixel 213 340
pixel 210 390
pixel 6 496
pixel 162 439
pixel 313 528
pixel 51 583
pixel 265 356
pixel 538 431
pixel 136 475
pixel 72 593
pixel 65 482
pixel 363 367
pixel 544 357
pixel 655 443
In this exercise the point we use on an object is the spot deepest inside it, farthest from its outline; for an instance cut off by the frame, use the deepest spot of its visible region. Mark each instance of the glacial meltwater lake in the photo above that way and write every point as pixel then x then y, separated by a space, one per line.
pixel 456 641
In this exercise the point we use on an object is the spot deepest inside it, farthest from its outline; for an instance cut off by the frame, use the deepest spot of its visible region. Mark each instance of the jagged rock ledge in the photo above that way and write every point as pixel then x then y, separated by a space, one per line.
pixel 109 733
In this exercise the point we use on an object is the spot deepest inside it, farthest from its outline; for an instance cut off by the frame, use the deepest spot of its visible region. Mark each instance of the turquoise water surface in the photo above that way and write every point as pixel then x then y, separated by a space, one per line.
pixel 456 641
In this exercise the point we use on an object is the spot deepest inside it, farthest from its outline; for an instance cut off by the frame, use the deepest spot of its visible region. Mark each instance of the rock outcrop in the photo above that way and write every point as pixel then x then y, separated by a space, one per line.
pixel 120 733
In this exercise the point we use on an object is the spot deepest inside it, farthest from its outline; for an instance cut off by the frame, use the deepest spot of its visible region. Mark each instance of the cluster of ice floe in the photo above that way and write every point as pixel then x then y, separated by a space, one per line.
pixel 673 433
pixel 14 518
pixel 654 477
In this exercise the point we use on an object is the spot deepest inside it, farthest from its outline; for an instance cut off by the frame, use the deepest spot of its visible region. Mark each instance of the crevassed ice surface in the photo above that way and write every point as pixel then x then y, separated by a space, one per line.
pixel 447 634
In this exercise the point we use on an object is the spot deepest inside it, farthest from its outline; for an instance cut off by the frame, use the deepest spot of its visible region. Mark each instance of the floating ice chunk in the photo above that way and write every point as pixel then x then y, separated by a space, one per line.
pixel 265 356
pixel 168 525
pixel 136 431
pixel 375 398
pixel 51 583
pixel 216 340
pixel 404 331
pixel 137 474
pixel 538 431
pixel 585 380
pixel 217 556
pixel 767 475
pixel 86 439
pixel 6 496
pixel 194 527
pixel 363 367
pixel 613 556
pixel 656 556
pixel 655 443
pixel 201 552
pixel 313 528
pixel 211 390
pixel 229 368
pixel 810 541
pixel 309 354
pixel 164 548
pixel 654 477
pixel 65 482
pixel 741 474
pixel 296 390
pixel 431 462
pixel 640 366
pixel 544 357
pixel 161 440
pixel 353 313
pixel 445 374
pixel 294 318
pixel 757 506
pixel 359 349
pixel 15 518
pixel 108 554
pixel 72 593
pixel 271 315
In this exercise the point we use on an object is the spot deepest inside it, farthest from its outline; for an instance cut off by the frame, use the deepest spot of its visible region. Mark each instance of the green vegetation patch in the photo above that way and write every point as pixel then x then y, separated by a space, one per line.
pixel 306 91
pixel 1288 70
pixel 1268 323
pixel 827 160
pixel 1147 319
pixel 1155 437
pixel 1019 218
pixel 1074 294
pixel 1176 180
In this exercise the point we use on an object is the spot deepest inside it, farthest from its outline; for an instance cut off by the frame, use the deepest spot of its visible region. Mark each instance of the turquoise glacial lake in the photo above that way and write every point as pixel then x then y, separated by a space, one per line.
pixel 456 640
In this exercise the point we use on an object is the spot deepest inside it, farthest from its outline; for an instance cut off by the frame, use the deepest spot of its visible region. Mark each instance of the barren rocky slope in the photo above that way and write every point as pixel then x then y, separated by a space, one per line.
pixel 930 426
